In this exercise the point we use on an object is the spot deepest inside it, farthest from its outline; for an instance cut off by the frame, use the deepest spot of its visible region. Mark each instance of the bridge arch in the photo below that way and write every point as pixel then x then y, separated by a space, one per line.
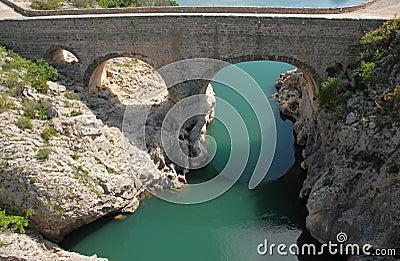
pixel 95 73
pixel 309 72
pixel 59 55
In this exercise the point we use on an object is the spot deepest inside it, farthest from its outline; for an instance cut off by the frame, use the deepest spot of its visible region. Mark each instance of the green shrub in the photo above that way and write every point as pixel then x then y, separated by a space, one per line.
pixel 375 43
pixel 48 133
pixel 5 103
pixel 10 221
pixel 14 84
pixel 34 110
pixel 327 182
pixel 24 123
pixel 39 72
pixel 46 4
pixel 43 154
pixel 365 74
pixel 393 98
pixel 382 35
pixel 329 93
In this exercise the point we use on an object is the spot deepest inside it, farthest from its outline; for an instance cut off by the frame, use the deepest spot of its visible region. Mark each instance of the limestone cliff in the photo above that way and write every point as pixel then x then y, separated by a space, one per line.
pixel 351 153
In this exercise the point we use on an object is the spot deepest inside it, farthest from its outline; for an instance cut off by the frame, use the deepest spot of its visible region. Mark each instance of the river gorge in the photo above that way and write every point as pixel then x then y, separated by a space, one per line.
pixel 333 171
pixel 229 227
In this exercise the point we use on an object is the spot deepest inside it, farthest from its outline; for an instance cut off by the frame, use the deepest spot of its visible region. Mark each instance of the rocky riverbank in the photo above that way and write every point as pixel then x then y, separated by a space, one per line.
pixel 351 154
pixel 65 160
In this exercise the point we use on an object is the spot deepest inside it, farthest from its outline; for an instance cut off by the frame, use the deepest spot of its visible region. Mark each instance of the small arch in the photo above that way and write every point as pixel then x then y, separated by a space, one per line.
pixel 335 69
pixel 309 73
pixel 96 73
pixel 62 56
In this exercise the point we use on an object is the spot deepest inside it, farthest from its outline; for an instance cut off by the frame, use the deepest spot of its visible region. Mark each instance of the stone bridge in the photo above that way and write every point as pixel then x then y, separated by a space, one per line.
pixel 310 42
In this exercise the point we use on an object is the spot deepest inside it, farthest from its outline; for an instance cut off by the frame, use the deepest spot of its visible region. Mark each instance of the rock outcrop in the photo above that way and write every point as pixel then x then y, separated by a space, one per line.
pixel 34 247
pixel 352 157
pixel 71 164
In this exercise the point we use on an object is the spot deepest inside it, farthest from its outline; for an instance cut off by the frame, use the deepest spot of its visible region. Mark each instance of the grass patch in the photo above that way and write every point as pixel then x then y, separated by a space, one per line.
pixel 110 170
pixel 59 212
pixel 81 173
pixel 37 74
pixel 34 110
pixel 49 132
pixel 76 155
pixel 14 84
pixel 5 103
pixel 43 154
pixel 24 123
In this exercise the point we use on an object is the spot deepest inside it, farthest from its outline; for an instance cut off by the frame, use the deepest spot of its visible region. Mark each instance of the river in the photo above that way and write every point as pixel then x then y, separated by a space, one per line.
pixel 231 226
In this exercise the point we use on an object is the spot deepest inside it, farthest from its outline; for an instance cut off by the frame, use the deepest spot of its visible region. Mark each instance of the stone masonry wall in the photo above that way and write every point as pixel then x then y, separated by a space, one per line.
pixel 311 44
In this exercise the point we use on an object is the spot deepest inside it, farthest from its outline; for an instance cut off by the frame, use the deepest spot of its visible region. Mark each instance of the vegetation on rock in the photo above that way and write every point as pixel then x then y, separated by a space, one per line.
pixel 19 223
pixel 17 72
pixel 58 4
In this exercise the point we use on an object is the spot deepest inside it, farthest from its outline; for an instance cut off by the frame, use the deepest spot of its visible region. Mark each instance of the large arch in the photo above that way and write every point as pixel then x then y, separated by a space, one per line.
pixel 95 73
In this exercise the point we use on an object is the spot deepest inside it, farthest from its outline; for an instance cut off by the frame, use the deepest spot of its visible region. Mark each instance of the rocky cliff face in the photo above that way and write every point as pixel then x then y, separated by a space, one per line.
pixel 351 155
pixel 73 164
pixel 70 164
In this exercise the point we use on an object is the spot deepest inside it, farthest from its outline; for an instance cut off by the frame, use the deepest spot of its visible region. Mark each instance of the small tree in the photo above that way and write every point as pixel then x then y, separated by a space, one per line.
pixel 329 93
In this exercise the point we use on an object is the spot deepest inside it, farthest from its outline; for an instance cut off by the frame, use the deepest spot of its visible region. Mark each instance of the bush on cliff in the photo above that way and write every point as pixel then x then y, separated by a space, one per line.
pixel 19 71
pixel 329 93
pixel 8 221
pixel 376 42
pixel 365 74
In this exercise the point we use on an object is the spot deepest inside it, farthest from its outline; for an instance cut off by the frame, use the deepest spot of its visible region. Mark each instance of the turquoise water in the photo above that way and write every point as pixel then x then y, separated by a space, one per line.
pixel 273 3
pixel 229 227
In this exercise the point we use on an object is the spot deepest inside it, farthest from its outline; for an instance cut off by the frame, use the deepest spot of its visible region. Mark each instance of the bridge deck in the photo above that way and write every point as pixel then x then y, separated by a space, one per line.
pixel 382 9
